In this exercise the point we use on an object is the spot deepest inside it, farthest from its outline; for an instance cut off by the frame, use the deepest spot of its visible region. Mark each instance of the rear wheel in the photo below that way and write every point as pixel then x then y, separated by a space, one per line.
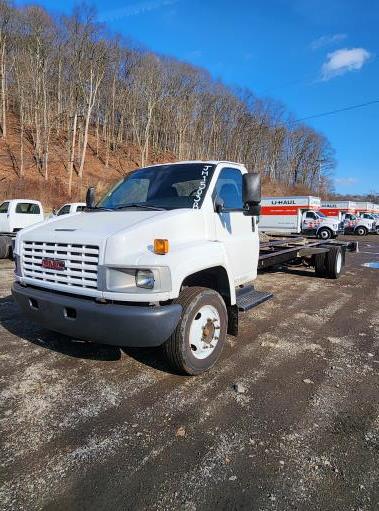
pixel 319 261
pixel 4 247
pixel 197 342
pixel 334 262
pixel 361 231
pixel 324 233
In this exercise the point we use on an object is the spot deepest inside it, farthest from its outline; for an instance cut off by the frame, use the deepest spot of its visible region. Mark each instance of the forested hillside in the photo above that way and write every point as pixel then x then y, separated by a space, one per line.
pixel 79 105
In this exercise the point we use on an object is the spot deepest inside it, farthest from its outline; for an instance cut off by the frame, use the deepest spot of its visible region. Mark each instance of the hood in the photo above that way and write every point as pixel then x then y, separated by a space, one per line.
pixel 134 230
pixel 93 225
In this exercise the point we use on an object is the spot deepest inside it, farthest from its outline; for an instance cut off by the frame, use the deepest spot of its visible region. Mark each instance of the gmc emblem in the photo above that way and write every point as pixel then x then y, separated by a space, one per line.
pixel 53 264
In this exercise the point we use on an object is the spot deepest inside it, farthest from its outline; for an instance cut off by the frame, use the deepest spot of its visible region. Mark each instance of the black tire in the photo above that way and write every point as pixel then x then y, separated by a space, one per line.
pixel 361 231
pixel 320 264
pixel 335 262
pixel 177 348
pixel 324 233
pixel 4 247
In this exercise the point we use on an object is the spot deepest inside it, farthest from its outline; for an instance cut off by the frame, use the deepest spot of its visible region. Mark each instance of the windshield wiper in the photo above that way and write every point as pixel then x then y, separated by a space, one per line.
pixel 98 208
pixel 144 206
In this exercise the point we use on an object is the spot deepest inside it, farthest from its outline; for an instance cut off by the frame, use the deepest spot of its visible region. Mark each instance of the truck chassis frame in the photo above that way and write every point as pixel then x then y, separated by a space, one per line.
pixel 290 247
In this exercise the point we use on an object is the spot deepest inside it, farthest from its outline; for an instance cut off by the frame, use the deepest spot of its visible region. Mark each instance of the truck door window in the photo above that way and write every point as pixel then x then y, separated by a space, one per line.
pixel 229 189
pixel 310 215
pixel 65 210
pixel 4 207
pixel 80 208
pixel 28 208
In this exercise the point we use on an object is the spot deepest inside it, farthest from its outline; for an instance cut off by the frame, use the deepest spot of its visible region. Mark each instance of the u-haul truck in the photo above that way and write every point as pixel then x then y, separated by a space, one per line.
pixel 376 213
pixel 338 209
pixel 366 217
pixel 364 207
pixel 295 215
pixel 343 211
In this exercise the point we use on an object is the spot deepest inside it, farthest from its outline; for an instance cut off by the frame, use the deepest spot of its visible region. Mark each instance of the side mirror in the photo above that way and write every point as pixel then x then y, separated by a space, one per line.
pixel 251 193
pixel 55 211
pixel 90 197
pixel 218 204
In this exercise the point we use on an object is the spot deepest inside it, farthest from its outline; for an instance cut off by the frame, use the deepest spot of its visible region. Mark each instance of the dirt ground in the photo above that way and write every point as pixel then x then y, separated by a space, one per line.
pixel 87 427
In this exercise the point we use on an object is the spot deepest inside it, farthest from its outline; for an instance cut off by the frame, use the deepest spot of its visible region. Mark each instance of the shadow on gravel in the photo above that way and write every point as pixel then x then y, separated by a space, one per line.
pixel 291 270
pixel 152 357
pixel 12 320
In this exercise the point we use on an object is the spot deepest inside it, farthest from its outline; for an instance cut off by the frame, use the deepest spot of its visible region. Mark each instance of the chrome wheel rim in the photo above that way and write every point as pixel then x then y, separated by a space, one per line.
pixel 204 332
pixel 339 262
pixel 324 235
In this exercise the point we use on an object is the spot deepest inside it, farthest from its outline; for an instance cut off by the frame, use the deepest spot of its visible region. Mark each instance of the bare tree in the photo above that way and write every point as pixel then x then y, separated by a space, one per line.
pixel 65 81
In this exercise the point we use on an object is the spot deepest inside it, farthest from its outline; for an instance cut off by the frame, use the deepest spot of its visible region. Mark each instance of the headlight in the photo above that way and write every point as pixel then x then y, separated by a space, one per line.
pixel 145 279
pixel 134 280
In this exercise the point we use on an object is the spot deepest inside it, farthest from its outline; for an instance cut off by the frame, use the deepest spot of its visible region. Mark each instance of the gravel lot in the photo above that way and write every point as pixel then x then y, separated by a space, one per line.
pixel 93 427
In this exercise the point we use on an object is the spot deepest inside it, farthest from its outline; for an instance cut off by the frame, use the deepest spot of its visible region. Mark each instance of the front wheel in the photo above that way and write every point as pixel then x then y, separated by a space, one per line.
pixel 197 342
pixel 324 233
pixel 361 231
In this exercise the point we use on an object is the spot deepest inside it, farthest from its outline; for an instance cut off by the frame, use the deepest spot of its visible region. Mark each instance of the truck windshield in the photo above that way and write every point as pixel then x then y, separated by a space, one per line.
pixel 4 207
pixel 170 186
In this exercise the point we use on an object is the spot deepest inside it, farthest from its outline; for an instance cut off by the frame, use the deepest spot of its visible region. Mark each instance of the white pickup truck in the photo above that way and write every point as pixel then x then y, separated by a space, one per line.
pixel 167 257
pixel 14 216
pixel 68 209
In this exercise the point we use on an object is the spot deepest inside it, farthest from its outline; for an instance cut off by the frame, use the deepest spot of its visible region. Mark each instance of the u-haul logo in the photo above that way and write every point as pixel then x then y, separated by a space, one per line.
pixel 282 202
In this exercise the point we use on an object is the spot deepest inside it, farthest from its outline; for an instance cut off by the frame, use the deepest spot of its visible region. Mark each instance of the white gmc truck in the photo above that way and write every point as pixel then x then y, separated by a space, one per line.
pixel 167 257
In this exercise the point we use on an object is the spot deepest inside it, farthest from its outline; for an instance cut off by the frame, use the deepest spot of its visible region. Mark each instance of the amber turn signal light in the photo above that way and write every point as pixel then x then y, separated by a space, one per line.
pixel 161 246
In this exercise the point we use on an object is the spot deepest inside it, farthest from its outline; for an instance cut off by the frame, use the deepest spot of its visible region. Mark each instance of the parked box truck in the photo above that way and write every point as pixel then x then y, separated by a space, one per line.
pixel 297 214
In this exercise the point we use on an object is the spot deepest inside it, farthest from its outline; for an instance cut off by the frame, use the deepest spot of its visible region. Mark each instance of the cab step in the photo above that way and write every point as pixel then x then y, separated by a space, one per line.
pixel 248 297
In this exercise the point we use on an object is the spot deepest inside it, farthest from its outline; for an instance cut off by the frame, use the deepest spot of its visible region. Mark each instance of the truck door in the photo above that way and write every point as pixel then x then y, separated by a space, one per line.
pixel 309 224
pixel 234 228
pixel 4 217
pixel 65 210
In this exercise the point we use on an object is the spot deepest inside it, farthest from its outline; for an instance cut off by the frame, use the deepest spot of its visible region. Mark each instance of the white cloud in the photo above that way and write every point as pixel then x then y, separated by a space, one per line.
pixel 346 181
pixel 134 9
pixel 327 40
pixel 341 61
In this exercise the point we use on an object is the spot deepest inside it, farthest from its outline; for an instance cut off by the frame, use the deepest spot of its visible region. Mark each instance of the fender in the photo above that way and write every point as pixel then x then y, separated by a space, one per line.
pixel 192 258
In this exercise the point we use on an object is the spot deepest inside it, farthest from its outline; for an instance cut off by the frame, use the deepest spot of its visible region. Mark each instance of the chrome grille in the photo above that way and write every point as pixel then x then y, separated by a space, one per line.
pixel 81 263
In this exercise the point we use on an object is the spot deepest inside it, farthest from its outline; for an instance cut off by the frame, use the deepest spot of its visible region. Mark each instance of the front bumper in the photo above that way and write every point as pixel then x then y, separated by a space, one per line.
pixel 113 324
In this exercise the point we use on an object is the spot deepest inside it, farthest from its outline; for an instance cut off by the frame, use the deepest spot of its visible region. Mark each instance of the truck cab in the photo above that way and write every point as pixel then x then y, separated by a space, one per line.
pixel 159 260
pixel 18 214
pixel 69 209
pixel 316 223
pixel 368 216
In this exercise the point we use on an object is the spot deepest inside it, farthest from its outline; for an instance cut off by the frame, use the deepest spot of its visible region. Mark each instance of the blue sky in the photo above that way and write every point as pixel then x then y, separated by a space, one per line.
pixel 313 55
